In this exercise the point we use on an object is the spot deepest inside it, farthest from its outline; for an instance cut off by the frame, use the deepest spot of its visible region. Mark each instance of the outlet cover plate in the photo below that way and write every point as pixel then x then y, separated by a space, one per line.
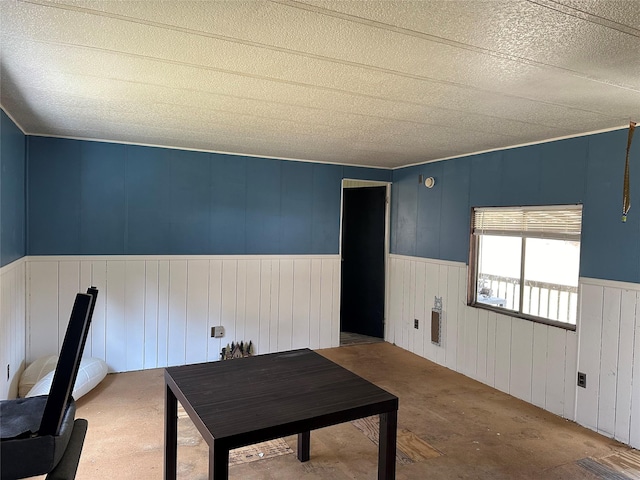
pixel 582 380
pixel 217 332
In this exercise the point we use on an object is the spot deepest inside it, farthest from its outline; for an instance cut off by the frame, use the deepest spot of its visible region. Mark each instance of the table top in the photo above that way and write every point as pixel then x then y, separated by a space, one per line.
pixel 246 400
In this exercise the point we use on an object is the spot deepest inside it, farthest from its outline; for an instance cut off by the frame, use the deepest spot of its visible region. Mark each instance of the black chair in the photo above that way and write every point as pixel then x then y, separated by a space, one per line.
pixel 40 435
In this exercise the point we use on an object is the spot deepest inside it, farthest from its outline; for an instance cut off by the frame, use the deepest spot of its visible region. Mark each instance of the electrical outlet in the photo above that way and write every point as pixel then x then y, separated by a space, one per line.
pixel 217 332
pixel 582 380
pixel 415 323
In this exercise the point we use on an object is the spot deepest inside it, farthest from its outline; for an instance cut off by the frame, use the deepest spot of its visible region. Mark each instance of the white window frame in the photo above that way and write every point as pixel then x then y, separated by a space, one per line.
pixel 559 222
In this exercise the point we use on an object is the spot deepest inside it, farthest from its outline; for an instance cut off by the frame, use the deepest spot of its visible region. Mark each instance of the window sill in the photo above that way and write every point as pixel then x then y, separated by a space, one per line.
pixel 513 313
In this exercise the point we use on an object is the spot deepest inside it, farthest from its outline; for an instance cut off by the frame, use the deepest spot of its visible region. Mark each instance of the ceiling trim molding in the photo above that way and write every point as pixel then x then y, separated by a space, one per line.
pixel 290 159
pixel 549 140
pixel 219 152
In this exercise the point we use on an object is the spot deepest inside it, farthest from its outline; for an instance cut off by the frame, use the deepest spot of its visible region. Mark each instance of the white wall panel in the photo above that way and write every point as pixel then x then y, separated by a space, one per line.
pixel 198 332
pixel 431 292
pixel 624 376
pixel 634 420
pixel 86 282
pixel 396 297
pixel 252 302
pixel 539 365
pixel 214 345
pixel 13 326
pixel 150 314
pixel 176 344
pixel 229 300
pixel 461 335
pixel 503 352
pixel 241 300
pixel 265 307
pixel 164 274
pixel 285 306
pixel 98 322
pixel 491 348
pixel 407 289
pixel 451 305
pixel 301 302
pixel 570 376
pixel 411 332
pixel 158 311
pixel 275 305
pixel 314 304
pixel 326 303
pixel 18 319
pixel 115 324
pixel 554 374
pixel 421 312
pixel 443 281
pixel 483 334
pixel 335 305
pixel 7 324
pixel 134 313
pixel 590 331
pixel 470 345
pixel 42 324
pixel 609 360
pixel 69 285
pixel 521 359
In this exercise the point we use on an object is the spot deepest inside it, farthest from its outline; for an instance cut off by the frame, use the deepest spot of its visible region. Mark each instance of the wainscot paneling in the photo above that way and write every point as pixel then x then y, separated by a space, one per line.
pixel 609 354
pixel 12 326
pixel 532 361
pixel 155 311
pixel 516 356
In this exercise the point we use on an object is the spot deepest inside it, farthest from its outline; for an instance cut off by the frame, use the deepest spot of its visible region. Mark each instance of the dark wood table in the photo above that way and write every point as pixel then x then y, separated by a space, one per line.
pixel 240 402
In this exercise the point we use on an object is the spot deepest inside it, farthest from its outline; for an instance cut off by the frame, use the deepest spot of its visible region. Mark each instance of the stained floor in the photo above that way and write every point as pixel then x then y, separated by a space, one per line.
pixel 452 427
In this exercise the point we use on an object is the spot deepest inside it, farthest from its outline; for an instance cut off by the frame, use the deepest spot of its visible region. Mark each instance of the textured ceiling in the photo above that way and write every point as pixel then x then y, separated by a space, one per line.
pixel 380 83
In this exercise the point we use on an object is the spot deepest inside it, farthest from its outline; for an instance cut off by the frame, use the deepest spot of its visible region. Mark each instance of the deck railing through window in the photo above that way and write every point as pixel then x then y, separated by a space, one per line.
pixel 541 299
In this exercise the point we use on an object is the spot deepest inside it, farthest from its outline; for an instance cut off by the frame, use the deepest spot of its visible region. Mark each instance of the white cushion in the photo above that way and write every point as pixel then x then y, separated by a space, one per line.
pixel 35 372
pixel 91 372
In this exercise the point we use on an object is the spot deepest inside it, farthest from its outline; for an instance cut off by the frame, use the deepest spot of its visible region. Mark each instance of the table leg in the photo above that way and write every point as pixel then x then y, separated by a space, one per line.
pixel 304 446
pixel 387 445
pixel 170 435
pixel 218 463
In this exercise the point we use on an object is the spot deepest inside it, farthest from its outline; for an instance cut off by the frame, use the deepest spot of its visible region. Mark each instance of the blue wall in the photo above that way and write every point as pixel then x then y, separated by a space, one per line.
pixel 12 191
pixel 96 198
pixel 435 223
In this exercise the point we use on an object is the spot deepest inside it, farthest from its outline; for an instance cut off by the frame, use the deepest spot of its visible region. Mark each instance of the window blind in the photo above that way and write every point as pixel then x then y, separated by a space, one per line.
pixel 562 222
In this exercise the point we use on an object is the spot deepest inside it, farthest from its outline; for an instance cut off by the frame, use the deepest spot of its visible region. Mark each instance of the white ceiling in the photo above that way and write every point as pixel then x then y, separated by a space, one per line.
pixel 381 83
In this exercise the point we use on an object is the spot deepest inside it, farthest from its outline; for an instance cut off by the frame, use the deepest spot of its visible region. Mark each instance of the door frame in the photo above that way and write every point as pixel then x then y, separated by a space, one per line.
pixel 356 183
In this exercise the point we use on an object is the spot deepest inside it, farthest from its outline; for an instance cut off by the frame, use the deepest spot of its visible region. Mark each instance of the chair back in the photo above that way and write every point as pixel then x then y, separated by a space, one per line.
pixel 68 363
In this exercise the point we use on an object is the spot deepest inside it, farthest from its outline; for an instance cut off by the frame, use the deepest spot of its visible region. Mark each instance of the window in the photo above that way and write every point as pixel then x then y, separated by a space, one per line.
pixel 525 261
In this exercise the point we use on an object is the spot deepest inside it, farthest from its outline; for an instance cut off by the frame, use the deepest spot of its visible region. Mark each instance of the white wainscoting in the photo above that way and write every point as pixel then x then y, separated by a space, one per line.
pixel 12 326
pixel 534 362
pixel 158 311
pixel 531 361
pixel 609 353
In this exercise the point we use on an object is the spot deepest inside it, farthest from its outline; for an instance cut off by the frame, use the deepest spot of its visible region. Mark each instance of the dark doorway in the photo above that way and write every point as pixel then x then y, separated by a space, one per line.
pixel 363 252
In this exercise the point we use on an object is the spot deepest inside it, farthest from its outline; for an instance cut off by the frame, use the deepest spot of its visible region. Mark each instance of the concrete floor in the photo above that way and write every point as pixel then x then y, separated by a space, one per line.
pixel 480 432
